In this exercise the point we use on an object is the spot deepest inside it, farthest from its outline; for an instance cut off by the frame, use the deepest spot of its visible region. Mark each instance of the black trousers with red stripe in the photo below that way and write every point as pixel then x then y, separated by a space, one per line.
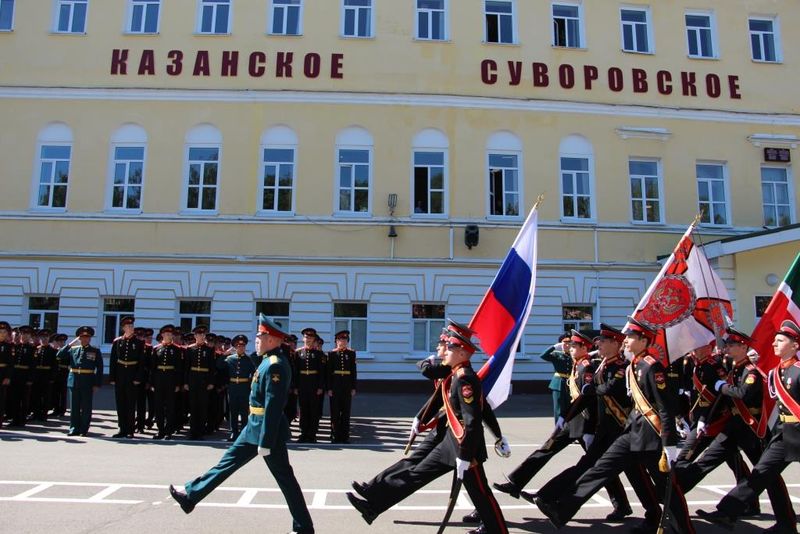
pixel 618 458
pixel 766 473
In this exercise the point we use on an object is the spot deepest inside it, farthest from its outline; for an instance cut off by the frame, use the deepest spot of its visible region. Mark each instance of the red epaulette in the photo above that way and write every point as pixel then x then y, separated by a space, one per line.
pixel 649 359
pixel 117 338
pixel 460 372
pixel 797 363
pixel 749 366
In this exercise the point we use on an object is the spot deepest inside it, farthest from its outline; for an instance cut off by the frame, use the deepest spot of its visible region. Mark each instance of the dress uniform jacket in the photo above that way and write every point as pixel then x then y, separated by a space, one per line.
pixel 200 368
pixel 266 428
pixel 310 377
pixel 85 373
pixel 44 370
pixel 166 374
pixel 239 371
pixel 6 365
pixel 126 366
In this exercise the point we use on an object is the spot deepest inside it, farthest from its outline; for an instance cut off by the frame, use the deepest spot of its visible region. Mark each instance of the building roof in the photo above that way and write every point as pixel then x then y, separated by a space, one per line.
pixel 753 240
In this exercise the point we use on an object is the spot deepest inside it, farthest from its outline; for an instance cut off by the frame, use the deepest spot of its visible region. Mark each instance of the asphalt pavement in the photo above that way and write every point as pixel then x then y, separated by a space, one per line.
pixel 52 482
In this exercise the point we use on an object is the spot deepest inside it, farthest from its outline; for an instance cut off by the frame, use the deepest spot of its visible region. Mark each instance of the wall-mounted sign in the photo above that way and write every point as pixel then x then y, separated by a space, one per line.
pixel 777 155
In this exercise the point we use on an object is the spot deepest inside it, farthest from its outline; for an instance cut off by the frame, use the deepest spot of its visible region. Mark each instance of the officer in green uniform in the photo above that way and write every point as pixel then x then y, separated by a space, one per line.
pixel 265 435
pixel 85 377
pixel 558 355
pixel 239 369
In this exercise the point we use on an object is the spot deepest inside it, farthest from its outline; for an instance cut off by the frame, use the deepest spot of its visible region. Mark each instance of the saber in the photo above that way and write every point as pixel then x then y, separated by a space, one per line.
pixel 423 416
pixel 455 489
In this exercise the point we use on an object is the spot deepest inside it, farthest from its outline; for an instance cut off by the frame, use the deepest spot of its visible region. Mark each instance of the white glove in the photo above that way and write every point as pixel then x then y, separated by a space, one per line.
pixel 415 426
pixel 559 347
pixel 683 428
pixel 588 439
pixel 719 384
pixel 431 359
pixel 461 466
pixel 502 448
pixel 560 423
pixel 672 454
pixel 263 451
pixel 701 427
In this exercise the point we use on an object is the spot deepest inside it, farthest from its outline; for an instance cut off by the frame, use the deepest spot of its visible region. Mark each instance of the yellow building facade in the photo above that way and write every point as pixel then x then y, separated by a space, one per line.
pixel 199 160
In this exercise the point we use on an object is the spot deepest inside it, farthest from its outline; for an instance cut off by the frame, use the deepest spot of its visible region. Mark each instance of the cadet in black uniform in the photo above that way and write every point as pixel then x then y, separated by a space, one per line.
pixel 576 425
pixel 745 429
pixel 650 434
pixel 310 379
pixel 341 382
pixel 609 395
pixel 85 377
pixel 19 391
pixel 291 400
pixel 166 380
pixel 6 363
pixel 44 369
pixel 783 448
pixel 200 368
pixel 558 356
pixel 62 375
pixel 239 370
pixel 125 374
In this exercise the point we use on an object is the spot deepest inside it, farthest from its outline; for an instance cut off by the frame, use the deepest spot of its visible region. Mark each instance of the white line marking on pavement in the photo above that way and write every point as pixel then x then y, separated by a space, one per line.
pixel 104 493
pixel 33 491
pixel 247 497
pixel 319 499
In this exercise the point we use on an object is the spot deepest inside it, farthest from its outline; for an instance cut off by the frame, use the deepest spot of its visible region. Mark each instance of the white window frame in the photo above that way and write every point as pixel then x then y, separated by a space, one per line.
pixel 776 36
pixel 431 140
pixel 581 25
pixel 446 23
pixel 194 316
pixel 712 21
pixel 755 304
pixel 592 204
pixel 362 353
pixel 13 8
pixel 112 173
pixel 579 305
pixel 215 3
pixel 118 315
pixel 278 137
pixel 129 18
pixel 433 327
pixel 187 168
pixel 648 24
pixel 413 196
pixel 520 179
pixel 371 33
pixel 726 191
pixel 644 199
pixel 514 36
pixel 789 189
pixel 41 312
pixel 275 212
pixel 284 7
pixel 57 135
pixel 57 16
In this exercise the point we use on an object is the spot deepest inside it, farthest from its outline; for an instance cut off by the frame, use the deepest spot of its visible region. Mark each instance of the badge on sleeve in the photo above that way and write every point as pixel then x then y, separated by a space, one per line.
pixel 276 377
pixel 751 379
pixel 467 394
pixel 661 382
pixel 255 377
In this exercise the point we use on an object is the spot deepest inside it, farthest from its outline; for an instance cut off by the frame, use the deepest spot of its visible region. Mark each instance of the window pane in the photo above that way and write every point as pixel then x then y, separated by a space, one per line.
pixel 349 309
pixel 209 198
pixel 55 152
pixel 210 174
pixel 204 154
pixel 43 303
pixel 277 20
pixel 651 187
pixel 636 188
pixel 134 197
pixel 353 156
pixel 135 152
pixel 574 164
pixel 497 6
pixel 151 22
pixel 195 307
pixel 420 336
pixel 59 196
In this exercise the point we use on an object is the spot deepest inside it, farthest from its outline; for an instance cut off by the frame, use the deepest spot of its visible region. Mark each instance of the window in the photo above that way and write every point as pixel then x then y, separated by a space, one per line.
pixel 431 20
pixel 576 188
pixel 353 171
pixel 194 312
pixel 143 16
pixel 6 15
pixel 578 317
pixel 115 309
pixel 43 312
pixel 567 25
pixel 128 173
pixel 499 21
pixel 428 182
pixel 777 197
pixel 214 16
pixel 278 161
pixel 71 16
pixel 428 322
pixel 278 311
pixel 503 184
pixel 286 17
pixel 761 303
pixel 700 36
pixel 635 30
pixel 357 20
pixel 711 193
pixel 645 191
pixel 202 189
pixel 54 176
pixel 352 316
pixel 763 40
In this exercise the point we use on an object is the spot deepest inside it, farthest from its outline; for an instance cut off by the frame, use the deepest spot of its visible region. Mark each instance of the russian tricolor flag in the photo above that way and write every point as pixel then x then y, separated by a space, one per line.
pixel 501 317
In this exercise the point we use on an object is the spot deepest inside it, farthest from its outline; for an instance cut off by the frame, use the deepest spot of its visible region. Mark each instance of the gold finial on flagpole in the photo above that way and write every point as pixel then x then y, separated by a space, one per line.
pixel 698 218
pixel 539 200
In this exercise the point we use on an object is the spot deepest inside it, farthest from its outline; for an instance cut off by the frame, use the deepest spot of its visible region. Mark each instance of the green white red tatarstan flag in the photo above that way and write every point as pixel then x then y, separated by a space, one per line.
pixel 785 304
